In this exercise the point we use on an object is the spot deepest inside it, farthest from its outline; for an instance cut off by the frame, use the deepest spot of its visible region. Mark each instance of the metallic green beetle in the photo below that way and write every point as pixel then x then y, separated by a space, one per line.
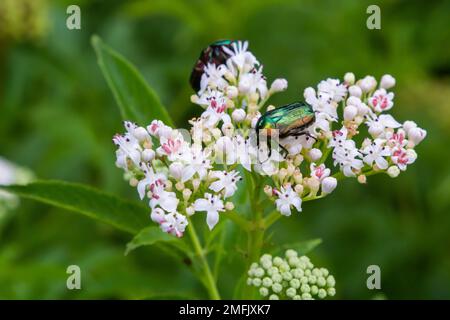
pixel 291 120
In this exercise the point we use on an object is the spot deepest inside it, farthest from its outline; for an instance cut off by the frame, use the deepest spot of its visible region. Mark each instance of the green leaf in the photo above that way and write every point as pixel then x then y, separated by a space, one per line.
pixel 120 213
pixel 302 247
pixel 147 237
pixel 137 101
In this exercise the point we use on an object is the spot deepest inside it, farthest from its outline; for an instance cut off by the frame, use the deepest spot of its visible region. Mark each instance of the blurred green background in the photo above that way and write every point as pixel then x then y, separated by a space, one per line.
pixel 57 117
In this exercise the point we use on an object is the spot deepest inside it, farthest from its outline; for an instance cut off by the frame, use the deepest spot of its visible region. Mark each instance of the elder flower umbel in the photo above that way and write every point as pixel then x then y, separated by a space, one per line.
pixel 181 173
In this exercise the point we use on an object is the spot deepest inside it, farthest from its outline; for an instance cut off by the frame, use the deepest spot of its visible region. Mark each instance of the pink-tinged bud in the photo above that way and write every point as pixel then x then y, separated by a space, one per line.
pixel 268 190
pixel 176 170
pixel 238 115
pixel 279 85
pixel 362 179
pixel 158 215
pixel 298 189
pixel 408 125
pixel 229 206
pixel 328 185
pixel 416 135
pixel 148 155
pixel 315 154
pixel 387 81
pixel 350 112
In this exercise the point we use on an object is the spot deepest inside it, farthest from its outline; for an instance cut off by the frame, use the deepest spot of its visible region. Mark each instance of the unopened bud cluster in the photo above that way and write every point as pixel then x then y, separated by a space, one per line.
pixel 292 277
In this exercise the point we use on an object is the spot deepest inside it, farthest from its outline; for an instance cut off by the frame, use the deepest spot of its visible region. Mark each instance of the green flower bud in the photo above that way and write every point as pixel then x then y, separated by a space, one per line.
pixel 277 278
pixel 331 292
pixel 272 270
pixel 305 288
pixel 325 272
pixel 291 253
pixel 264 291
pixel 257 282
pixel 254 265
pixel 251 272
pixel 307 272
pixel 309 265
pixel 314 290
pixel 291 292
pixel 306 296
pixel 277 261
pixel 266 264
pixel 249 281
pixel 284 267
pixel 322 293
pixel 265 257
pixel 304 280
pixel 274 297
pixel 297 297
pixel 287 276
pixel 276 287
pixel 321 282
pixel 316 272
pixel 267 282
pixel 295 283
pixel 294 261
pixel 330 281
pixel 312 279
pixel 259 272
pixel 297 273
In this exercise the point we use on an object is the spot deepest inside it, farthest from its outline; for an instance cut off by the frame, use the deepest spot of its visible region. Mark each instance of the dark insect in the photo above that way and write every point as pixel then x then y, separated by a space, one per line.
pixel 214 54
pixel 290 120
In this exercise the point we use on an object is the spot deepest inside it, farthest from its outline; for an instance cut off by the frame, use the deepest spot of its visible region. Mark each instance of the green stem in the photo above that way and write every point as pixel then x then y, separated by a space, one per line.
pixel 240 221
pixel 209 282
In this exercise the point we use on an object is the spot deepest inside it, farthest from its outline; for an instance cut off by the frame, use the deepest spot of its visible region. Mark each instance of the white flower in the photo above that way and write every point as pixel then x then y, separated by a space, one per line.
pixel 381 100
pixel 287 198
pixel 197 162
pixel 332 88
pixel 279 85
pixel 378 125
pixel 227 182
pixel 328 185
pixel 139 133
pixel 212 205
pixel 213 77
pixel 387 81
pixel 149 179
pixel 176 170
pixel 215 112
pixel 162 198
pixel 173 146
pixel 129 148
pixel 347 158
pixel 375 152
pixel 319 172
pixel 174 223
pixel 244 152
pixel 416 135
pixel 321 103
pixel 253 82
pixel 239 56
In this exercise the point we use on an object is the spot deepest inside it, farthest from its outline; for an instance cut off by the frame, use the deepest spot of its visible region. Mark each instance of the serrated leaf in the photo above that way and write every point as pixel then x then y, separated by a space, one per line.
pixel 120 213
pixel 136 99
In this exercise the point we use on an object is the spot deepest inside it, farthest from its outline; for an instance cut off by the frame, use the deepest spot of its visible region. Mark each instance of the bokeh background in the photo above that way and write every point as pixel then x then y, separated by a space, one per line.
pixel 57 117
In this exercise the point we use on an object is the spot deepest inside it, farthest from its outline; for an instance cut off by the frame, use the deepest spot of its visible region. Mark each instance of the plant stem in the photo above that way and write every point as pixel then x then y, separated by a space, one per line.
pixel 209 282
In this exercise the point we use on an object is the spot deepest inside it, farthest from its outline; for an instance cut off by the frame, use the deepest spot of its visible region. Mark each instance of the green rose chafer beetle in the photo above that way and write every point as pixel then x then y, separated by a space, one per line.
pixel 291 120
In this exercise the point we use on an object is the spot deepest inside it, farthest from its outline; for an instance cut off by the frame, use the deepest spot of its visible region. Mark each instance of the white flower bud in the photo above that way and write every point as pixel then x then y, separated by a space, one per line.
pixel 190 210
pixel 355 91
pixel 279 85
pixel 268 190
pixel 140 133
pixel 196 184
pixel 157 215
pixel 368 83
pixel 328 185
pixel 315 154
pixel 238 115
pixel 232 92
pixel 313 184
pixel 309 92
pixel 416 135
pixel 228 129
pixel 176 170
pixel 263 291
pixel 387 81
pixel 408 125
pixel 148 155
pixel 187 194
pixel 255 120
pixel 363 109
pixel 133 182
pixel 298 189
pixel 376 129
pixel 362 179
pixel 274 297
pixel 179 186
pixel 412 155
pixel 393 171
pixel 350 112
pixel 349 78
pixel 216 133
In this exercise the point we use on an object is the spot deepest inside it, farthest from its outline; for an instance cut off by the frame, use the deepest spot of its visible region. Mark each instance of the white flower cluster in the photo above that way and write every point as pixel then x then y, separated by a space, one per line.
pixel 390 145
pixel 185 172
pixel 292 277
